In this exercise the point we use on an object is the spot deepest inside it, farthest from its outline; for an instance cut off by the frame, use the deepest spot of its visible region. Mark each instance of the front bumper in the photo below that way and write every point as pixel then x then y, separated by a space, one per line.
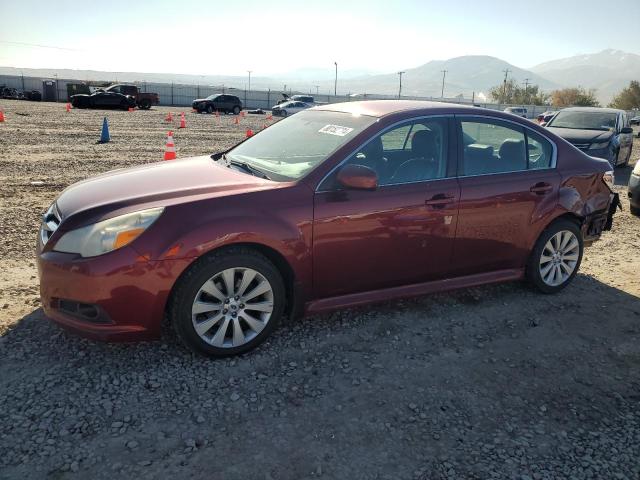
pixel 634 191
pixel 127 292
pixel 604 153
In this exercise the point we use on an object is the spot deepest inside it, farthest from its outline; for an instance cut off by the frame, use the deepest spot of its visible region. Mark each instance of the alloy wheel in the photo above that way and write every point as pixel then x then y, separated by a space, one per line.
pixel 232 307
pixel 559 258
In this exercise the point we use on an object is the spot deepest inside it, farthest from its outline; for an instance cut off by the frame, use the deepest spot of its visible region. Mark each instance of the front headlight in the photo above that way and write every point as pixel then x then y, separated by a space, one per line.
pixel 108 235
pixel 599 146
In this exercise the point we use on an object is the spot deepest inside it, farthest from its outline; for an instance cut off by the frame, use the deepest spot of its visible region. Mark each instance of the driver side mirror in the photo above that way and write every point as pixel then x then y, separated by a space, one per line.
pixel 358 177
pixel 626 130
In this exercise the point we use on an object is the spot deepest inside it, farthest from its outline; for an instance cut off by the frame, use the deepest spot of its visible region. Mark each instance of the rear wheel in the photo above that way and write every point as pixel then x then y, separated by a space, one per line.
pixel 145 104
pixel 283 113
pixel 209 108
pixel 556 257
pixel 228 303
pixel 236 110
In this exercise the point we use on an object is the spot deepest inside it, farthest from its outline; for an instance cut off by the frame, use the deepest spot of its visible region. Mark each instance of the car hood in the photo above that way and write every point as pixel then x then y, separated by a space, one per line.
pixel 156 184
pixel 581 136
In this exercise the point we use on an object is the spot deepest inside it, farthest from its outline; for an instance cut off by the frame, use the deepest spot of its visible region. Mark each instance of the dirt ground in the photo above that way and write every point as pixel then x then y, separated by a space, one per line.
pixel 492 382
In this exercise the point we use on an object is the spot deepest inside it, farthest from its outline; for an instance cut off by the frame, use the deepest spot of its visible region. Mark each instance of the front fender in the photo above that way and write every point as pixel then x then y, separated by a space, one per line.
pixel 280 220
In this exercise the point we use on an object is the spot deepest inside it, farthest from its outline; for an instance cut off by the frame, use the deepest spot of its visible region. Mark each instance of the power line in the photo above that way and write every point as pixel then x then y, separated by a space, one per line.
pixel 37 45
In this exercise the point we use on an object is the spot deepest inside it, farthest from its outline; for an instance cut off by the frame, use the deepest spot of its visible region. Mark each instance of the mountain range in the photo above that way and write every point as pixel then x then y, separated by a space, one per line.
pixel 607 71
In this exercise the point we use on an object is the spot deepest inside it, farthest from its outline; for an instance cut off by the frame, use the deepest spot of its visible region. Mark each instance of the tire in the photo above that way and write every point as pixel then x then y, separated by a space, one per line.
pixel 538 272
pixel 209 109
pixel 283 113
pixel 217 339
pixel 236 110
pixel 145 104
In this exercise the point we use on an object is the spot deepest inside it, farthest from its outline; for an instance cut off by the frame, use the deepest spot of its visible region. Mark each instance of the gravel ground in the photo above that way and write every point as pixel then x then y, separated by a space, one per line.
pixel 492 382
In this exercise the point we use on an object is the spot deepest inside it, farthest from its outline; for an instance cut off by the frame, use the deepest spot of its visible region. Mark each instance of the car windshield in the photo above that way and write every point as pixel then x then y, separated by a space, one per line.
pixel 584 120
pixel 213 97
pixel 291 148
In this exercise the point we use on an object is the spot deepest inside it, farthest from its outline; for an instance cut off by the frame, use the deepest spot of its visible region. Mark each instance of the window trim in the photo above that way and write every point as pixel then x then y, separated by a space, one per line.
pixel 450 117
pixel 458 124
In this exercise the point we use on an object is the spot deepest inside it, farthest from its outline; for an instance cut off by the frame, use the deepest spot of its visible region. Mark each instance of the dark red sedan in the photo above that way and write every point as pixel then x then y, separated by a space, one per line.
pixel 335 206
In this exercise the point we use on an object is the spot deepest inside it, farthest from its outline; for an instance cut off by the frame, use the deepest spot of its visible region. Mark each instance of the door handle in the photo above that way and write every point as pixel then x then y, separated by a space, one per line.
pixel 541 188
pixel 439 200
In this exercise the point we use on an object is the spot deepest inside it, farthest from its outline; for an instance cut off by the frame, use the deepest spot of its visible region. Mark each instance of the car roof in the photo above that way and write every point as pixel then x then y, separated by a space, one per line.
pixel 380 108
pixel 592 109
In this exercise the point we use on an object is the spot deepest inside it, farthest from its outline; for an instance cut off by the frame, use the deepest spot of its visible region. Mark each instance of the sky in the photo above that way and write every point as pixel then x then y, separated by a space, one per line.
pixel 270 37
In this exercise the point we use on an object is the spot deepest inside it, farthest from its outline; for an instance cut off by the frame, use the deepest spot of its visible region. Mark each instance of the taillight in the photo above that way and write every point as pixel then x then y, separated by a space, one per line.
pixel 610 179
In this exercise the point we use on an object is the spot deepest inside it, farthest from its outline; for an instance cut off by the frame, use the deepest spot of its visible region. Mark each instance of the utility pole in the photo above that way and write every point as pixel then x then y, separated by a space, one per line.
pixel 504 85
pixel 317 89
pixel 444 74
pixel 249 87
pixel 526 90
pixel 335 83
pixel 400 89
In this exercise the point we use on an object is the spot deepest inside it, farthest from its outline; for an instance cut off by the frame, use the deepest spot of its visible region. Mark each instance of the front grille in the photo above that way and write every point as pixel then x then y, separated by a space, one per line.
pixel 582 146
pixel 50 223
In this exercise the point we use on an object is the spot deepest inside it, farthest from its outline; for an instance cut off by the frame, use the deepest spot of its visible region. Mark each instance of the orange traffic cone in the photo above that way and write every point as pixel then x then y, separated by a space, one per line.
pixel 270 117
pixel 218 116
pixel 183 122
pixel 236 121
pixel 168 118
pixel 1 116
pixel 242 114
pixel 170 148
pixel 264 125
pixel 249 133
pixel 131 109
pixel 68 107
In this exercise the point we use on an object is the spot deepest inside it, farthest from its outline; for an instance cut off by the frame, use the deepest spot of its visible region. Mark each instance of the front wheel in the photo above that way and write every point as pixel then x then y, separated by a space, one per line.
pixel 283 113
pixel 556 257
pixel 228 302
pixel 209 109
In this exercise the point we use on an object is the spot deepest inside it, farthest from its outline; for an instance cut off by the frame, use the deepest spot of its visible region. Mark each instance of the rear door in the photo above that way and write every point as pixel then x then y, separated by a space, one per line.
pixel 402 232
pixel 507 181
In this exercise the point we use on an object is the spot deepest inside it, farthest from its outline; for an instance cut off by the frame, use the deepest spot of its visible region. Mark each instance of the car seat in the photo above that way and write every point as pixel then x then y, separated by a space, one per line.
pixel 423 163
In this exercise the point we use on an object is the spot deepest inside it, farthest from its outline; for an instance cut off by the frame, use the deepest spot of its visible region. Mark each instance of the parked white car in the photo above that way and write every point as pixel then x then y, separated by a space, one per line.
pixel 289 108
pixel 519 111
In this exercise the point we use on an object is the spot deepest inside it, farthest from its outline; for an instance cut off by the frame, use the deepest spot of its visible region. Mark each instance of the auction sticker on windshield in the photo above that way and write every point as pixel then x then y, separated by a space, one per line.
pixel 336 130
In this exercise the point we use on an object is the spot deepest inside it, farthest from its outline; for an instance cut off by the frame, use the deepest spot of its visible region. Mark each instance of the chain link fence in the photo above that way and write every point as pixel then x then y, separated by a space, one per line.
pixel 182 95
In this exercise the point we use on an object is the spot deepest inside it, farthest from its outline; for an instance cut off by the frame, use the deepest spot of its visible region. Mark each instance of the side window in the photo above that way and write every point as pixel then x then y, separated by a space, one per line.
pixel 409 153
pixel 492 147
pixel 395 139
pixel 115 90
pixel 540 153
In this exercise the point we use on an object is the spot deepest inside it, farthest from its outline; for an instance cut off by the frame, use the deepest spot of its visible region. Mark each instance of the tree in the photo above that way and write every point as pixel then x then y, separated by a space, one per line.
pixel 628 98
pixel 578 97
pixel 511 92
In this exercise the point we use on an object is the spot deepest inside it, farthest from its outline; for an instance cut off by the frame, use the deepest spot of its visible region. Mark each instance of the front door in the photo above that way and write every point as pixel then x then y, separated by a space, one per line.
pixel 507 176
pixel 402 232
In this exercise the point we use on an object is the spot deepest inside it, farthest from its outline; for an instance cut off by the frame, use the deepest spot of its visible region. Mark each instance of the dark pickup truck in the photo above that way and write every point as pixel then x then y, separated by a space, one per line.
pixel 116 96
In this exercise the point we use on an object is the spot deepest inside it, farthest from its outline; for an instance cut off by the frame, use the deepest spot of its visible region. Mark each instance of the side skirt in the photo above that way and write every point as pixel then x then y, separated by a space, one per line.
pixel 356 299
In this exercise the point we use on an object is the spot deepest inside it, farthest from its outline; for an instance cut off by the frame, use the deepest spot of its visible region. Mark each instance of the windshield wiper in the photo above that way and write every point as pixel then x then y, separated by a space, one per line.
pixel 249 168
